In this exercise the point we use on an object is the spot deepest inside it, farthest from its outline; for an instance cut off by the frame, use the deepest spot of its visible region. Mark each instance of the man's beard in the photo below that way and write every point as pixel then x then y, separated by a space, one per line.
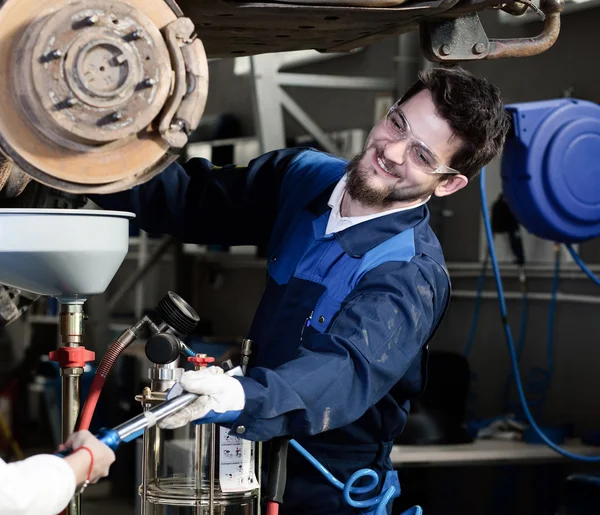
pixel 360 189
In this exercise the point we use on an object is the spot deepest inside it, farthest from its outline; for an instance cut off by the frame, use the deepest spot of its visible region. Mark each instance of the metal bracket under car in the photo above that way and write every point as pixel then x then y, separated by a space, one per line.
pixel 87 88
pixel 464 39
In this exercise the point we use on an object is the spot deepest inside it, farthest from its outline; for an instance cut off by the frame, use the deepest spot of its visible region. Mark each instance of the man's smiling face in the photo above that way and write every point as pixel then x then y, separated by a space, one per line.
pixel 391 171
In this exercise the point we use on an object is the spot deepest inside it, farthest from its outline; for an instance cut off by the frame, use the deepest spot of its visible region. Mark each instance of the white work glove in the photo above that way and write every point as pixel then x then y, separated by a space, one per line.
pixel 221 398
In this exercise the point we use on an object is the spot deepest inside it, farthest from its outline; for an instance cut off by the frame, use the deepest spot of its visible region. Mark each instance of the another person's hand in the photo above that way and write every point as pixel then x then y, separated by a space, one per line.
pixel 80 461
pixel 219 393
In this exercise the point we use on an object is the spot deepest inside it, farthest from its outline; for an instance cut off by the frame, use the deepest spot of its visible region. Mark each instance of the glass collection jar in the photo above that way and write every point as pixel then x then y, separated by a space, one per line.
pixel 198 469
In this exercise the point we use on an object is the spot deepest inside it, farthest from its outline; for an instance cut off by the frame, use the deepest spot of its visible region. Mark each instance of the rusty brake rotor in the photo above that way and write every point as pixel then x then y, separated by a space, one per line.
pixel 94 94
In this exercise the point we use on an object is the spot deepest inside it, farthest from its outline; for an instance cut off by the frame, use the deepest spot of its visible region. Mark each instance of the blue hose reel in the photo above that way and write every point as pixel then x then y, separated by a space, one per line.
pixel 551 168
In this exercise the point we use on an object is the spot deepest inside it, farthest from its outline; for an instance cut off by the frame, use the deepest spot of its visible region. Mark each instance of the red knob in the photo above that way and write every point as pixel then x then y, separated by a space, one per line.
pixel 72 357
pixel 200 360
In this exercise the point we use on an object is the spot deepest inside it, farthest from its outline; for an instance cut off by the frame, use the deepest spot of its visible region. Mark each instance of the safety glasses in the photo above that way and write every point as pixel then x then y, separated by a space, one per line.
pixel 419 154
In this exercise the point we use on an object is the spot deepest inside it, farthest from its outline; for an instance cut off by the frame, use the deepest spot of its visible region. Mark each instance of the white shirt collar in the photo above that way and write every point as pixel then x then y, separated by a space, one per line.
pixel 337 222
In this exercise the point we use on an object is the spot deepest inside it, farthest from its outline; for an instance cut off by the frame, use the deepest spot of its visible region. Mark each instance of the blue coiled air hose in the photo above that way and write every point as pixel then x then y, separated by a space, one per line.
pixel 381 500
pixel 508 333
pixel 582 265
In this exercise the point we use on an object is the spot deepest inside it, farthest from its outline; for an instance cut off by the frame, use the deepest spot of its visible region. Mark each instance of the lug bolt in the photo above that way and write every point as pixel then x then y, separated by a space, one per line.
pixel 116 116
pixel 177 126
pixel 55 54
pixel 121 59
pixel 70 102
pixel 92 20
pixel 148 83
pixel 136 35
pixel 445 50
pixel 478 48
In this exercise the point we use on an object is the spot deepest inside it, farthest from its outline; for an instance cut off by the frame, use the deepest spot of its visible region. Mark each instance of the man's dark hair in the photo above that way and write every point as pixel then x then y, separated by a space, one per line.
pixel 474 109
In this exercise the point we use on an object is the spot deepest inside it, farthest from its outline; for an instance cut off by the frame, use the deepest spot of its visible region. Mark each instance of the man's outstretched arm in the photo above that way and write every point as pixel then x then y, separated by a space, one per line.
pixel 200 203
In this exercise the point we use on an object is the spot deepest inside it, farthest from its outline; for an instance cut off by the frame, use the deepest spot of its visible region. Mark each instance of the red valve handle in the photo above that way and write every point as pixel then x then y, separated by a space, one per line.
pixel 72 357
pixel 200 360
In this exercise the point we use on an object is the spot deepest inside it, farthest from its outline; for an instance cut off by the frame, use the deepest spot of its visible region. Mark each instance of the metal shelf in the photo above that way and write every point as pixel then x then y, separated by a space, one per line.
pixel 235 259
pixel 42 319
pixel 483 452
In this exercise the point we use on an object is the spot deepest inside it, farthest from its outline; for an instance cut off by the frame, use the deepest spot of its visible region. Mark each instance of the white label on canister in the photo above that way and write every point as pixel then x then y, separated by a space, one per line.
pixel 236 463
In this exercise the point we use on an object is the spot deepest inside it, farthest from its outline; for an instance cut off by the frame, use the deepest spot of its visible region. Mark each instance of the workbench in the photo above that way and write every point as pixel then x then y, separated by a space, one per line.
pixel 483 452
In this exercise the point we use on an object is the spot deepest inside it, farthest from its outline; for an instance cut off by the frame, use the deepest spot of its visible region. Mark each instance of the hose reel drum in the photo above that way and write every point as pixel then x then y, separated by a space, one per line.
pixel 551 171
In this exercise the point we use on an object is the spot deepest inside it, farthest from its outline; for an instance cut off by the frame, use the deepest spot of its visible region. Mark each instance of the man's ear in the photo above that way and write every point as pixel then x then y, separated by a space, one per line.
pixel 451 185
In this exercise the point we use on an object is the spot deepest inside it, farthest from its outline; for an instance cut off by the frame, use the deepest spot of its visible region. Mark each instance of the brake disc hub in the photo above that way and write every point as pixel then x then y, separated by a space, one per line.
pixel 94 94
pixel 92 73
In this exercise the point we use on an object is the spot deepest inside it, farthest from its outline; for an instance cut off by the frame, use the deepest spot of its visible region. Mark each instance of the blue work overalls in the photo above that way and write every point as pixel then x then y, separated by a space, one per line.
pixel 342 328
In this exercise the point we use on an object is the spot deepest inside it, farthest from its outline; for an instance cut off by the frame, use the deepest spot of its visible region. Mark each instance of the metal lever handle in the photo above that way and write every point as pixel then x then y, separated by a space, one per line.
pixel 131 429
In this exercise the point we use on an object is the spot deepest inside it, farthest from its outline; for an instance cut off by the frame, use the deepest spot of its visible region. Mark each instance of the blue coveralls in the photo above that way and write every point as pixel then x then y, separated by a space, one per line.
pixel 341 331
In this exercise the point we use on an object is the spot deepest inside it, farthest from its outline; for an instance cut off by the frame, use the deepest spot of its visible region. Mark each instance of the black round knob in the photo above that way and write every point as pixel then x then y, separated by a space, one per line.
pixel 177 313
pixel 162 348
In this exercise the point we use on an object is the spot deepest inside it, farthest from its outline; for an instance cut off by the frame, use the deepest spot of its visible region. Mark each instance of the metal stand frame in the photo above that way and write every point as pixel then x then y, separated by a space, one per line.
pixel 71 357
pixel 270 99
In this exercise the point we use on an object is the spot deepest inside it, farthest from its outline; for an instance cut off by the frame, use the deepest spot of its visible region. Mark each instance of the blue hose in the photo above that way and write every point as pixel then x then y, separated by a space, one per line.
pixel 187 351
pixel 523 328
pixel 582 265
pixel 539 380
pixel 381 500
pixel 472 395
pixel 508 333
pixel 475 319
pixel 555 282
pixel 509 405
